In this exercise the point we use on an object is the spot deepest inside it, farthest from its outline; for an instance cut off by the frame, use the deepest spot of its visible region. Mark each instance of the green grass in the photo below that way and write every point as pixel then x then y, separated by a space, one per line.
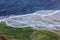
pixel 27 33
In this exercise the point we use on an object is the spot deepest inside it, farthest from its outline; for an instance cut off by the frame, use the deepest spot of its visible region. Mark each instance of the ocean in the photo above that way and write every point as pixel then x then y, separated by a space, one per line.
pixel 21 7
pixel 30 13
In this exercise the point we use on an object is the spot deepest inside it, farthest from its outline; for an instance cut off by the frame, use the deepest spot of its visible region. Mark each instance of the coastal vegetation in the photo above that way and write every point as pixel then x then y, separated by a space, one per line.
pixel 27 33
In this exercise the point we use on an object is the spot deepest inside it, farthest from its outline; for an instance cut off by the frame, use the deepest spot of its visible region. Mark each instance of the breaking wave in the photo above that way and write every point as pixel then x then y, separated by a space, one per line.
pixel 47 20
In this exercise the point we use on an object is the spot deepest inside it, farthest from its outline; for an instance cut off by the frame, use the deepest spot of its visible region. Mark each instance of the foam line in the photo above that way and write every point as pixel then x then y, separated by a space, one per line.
pixel 36 14
pixel 52 13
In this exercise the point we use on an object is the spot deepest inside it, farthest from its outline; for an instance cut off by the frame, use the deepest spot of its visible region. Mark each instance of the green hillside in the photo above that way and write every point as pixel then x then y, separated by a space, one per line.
pixel 27 33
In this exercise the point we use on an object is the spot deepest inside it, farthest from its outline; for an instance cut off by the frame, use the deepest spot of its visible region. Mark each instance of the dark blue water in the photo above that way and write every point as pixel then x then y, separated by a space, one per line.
pixel 19 7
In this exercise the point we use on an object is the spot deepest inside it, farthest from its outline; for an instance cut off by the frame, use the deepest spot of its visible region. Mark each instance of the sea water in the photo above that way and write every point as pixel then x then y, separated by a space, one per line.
pixel 30 13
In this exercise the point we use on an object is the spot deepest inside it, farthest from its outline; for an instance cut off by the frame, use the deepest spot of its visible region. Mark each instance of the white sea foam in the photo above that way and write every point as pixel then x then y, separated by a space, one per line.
pixel 51 20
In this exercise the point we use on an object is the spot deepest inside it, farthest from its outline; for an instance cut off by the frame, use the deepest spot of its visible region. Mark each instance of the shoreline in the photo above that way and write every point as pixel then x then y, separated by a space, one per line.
pixel 32 14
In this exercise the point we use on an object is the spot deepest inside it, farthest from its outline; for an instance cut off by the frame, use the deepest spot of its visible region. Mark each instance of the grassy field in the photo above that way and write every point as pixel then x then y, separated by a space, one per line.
pixel 27 33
